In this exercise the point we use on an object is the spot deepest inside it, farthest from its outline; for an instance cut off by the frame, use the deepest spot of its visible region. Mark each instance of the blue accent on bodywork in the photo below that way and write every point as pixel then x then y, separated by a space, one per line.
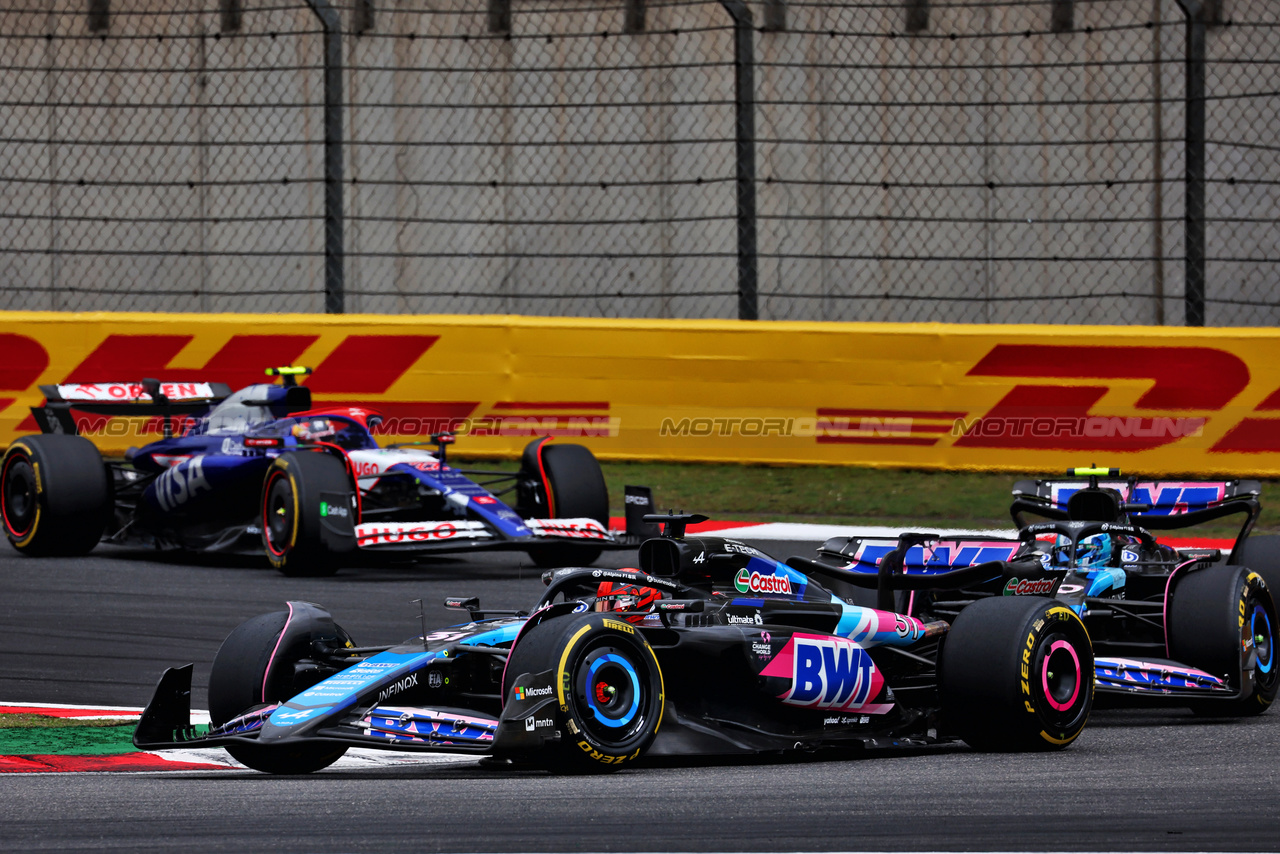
pixel 1103 580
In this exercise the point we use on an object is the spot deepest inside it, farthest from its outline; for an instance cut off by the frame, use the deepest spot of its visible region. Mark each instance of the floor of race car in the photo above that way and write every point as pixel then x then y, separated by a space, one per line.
pixel 99 630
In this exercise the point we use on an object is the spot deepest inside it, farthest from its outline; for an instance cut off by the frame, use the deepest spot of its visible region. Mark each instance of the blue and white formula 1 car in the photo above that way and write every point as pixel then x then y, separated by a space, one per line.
pixel 710 647
pixel 1189 627
pixel 262 469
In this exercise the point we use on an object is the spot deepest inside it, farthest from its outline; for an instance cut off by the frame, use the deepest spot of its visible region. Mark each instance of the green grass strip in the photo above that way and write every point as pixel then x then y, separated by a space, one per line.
pixel 845 495
pixel 66 740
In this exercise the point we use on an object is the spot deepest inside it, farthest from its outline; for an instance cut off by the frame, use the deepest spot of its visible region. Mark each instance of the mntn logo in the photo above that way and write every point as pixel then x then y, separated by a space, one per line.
pixel 830 673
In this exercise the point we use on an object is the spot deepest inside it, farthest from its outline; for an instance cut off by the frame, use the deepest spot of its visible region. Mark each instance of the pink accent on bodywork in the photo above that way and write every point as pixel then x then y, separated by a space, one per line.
pixel 272 660
pixel 1044 675
pixel 1168 587
pixel 875 627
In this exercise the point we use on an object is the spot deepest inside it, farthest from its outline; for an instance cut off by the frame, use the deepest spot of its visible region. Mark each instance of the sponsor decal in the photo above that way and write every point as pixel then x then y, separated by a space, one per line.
pixel 485 499
pixel 826 673
pixel 621 627
pixel 327 509
pixel 396 533
pixel 753 620
pixel 754 582
pixel 588 529
pixel 426 466
pixel 180 483
pixel 1129 556
pixel 531 723
pixel 742 548
pixel 764 646
pixel 636 499
pixel 133 391
pixel 434 679
pixel 531 693
pixel 366 468
pixel 232 447
pixel 1028 586
pixel 846 720
pixel 410 681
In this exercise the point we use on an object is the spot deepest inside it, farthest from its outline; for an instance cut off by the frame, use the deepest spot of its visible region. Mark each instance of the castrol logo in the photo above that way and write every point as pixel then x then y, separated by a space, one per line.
pixel 754 582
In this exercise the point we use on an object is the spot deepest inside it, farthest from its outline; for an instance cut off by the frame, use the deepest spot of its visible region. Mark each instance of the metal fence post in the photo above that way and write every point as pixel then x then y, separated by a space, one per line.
pixel 1195 178
pixel 745 154
pixel 333 141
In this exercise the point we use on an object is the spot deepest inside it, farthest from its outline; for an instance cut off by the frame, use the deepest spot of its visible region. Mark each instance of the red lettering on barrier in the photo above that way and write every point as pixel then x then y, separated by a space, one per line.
pixel 1045 417
pixel 1184 377
pixel 369 364
pixel 22 361
pixel 1251 436
pixel 242 360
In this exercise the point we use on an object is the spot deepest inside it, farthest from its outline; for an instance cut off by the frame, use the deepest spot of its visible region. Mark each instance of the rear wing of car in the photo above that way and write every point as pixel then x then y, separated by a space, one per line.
pixel 913 561
pixel 1154 504
pixel 147 398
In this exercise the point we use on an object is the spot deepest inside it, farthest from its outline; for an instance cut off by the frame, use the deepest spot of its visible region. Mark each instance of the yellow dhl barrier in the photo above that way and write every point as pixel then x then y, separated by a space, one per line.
pixel 1018 398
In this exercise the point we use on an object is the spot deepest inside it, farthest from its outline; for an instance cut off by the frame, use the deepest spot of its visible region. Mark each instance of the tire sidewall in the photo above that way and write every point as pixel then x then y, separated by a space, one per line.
pixel 565 647
pixel 1000 668
pixel 1056 642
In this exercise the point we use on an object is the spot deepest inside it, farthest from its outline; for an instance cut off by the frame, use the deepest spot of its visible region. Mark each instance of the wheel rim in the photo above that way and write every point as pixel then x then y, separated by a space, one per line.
pixel 279 514
pixel 1263 640
pixel 1060 676
pixel 612 689
pixel 19 504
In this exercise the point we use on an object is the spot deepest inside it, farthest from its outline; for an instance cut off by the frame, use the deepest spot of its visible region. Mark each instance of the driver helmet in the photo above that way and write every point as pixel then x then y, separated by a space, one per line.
pixel 312 429
pixel 616 596
pixel 1093 551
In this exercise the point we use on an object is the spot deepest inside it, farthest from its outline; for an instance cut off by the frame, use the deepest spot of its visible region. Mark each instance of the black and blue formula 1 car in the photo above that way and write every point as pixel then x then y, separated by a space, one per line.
pixel 260 469
pixel 710 647
pixel 1186 627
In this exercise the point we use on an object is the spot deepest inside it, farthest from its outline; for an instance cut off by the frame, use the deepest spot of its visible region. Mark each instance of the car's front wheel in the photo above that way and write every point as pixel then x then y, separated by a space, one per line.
pixel 609 687
pixel 308 514
pixel 1016 673
pixel 252 669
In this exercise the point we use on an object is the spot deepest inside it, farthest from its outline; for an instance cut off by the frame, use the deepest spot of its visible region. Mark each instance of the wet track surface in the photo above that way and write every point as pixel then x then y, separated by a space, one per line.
pixel 101 629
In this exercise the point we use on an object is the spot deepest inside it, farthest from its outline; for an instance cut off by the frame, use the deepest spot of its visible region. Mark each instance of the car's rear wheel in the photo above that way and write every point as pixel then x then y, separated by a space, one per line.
pixel 574 488
pixel 251 670
pixel 55 495
pixel 308 514
pixel 1016 673
pixel 610 687
pixel 1221 620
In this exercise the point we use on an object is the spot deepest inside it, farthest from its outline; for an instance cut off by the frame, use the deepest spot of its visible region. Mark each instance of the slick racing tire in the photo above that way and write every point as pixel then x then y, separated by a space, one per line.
pixel 308 514
pixel 610 695
pixel 575 489
pixel 55 495
pixel 1221 619
pixel 1016 673
pixel 1262 555
pixel 239 682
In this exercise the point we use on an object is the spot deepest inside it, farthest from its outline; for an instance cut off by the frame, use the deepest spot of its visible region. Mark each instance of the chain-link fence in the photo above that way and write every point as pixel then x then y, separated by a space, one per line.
pixel 953 160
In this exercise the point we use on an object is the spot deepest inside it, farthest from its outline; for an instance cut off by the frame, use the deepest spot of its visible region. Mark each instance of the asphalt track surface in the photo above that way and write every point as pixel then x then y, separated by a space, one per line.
pixel 101 629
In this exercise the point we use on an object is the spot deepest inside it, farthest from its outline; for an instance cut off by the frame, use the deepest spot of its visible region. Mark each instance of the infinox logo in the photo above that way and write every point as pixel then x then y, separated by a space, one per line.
pixel 1028 586
pixel 754 582
pixel 826 673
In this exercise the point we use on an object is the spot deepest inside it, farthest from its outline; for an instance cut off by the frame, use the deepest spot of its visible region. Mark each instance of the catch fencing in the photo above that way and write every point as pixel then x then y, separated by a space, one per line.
pixel 1061 161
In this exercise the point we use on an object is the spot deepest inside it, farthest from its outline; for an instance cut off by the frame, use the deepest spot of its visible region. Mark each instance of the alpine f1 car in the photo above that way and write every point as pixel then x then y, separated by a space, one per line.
pixel 262 469
pixel 710 647
pixel 1190 627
